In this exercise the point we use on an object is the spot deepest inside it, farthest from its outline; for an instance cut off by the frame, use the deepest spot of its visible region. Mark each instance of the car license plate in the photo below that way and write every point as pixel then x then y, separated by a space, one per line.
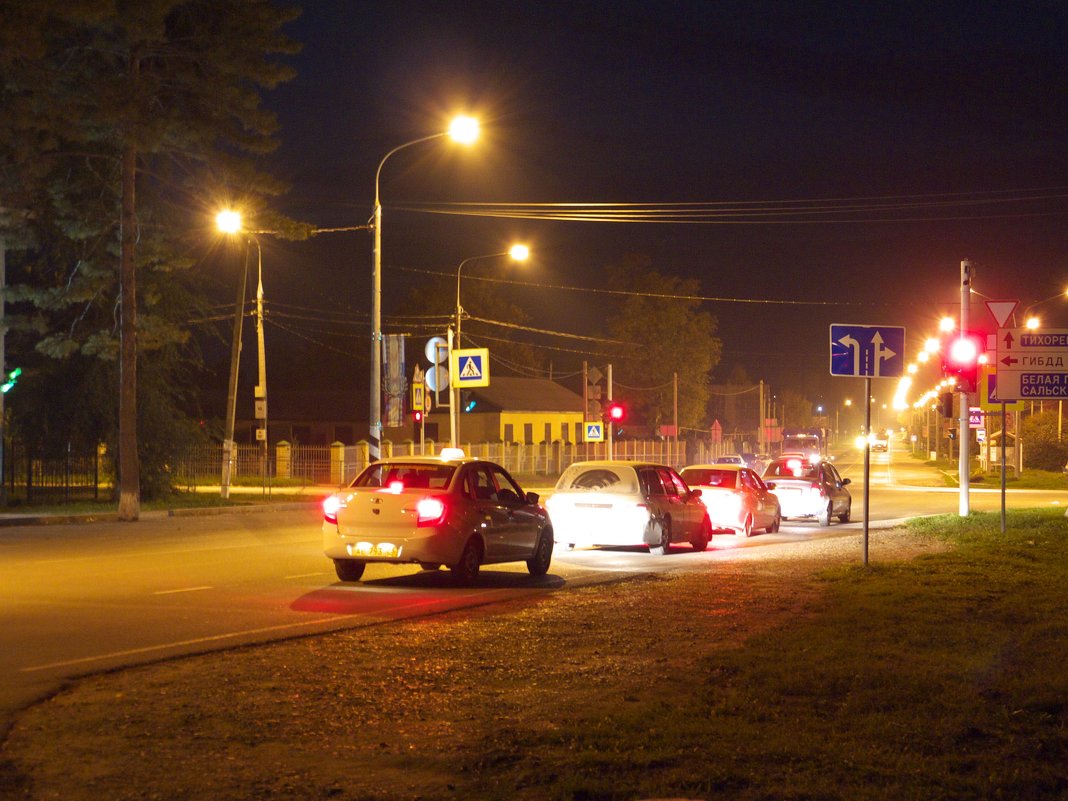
pixel 386 549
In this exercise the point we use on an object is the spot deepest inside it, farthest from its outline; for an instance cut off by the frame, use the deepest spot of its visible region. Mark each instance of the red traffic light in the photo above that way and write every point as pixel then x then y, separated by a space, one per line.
pixel 417 416
pixel 963 355
pixel 616 412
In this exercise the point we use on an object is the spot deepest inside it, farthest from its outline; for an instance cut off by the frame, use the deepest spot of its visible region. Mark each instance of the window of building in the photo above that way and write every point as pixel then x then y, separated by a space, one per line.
pixel 509 433
pixel 528 433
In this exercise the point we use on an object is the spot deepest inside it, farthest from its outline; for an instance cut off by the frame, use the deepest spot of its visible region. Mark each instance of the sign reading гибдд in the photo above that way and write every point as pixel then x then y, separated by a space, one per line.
pixel 1032 365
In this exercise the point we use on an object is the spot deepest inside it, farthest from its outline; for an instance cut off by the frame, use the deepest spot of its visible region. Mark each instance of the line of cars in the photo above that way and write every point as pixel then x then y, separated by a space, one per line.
pixel 463 513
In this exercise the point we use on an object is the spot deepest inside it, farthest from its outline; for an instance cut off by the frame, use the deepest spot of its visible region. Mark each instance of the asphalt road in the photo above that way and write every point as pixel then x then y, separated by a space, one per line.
pixel 82 598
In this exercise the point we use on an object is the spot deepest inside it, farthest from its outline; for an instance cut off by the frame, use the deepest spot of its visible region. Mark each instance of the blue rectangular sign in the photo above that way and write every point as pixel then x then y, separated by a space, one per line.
pixel 870 351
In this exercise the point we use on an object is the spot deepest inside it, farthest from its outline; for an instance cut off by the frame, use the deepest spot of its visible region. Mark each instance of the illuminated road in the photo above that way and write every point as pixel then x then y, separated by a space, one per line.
pixel 88 597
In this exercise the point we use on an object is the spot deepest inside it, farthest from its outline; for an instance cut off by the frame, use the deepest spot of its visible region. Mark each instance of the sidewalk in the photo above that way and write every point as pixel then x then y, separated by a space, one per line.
pixel 243 501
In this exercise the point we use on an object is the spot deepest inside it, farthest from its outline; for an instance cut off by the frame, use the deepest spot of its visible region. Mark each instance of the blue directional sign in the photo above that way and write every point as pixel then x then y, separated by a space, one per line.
pixel 870 351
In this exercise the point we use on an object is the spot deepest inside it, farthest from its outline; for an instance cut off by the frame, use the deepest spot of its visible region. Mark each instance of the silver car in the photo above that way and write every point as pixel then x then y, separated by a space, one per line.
pixel 457 512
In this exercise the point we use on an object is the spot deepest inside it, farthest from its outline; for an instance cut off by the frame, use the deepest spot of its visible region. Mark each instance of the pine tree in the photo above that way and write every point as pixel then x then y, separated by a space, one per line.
pixel 124 120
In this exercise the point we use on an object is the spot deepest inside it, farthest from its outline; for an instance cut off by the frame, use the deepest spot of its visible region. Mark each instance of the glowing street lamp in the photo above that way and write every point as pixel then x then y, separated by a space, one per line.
pixel 229 222
pixel 517 253
pixel 464 130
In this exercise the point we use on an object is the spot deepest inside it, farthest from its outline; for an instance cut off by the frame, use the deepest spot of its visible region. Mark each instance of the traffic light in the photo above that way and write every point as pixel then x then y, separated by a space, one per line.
pixel 467 401
pixel 417 416
pixel 962 357
pixel 12 379
pixel 615 412
pixel 945 404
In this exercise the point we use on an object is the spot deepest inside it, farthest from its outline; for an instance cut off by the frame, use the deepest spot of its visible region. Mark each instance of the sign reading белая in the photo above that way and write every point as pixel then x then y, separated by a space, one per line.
pixel 1032 365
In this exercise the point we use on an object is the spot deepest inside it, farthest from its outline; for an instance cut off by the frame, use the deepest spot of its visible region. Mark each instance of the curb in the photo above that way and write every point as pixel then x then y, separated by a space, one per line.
pixel 113 517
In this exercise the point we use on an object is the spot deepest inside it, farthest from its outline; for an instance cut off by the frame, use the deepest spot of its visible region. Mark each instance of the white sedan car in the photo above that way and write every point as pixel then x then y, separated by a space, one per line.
pixel 736 498
pixel 627 503
pixel 809 489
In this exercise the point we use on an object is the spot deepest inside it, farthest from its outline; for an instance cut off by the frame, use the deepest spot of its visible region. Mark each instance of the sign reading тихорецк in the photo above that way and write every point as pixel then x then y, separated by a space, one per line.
pixel 1032 365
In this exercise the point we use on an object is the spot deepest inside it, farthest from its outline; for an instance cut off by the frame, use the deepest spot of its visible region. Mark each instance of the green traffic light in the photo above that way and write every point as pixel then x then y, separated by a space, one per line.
pixel 12 379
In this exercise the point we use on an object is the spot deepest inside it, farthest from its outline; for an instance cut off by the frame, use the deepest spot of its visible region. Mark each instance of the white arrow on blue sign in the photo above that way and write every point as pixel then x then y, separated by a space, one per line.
pixel 870 351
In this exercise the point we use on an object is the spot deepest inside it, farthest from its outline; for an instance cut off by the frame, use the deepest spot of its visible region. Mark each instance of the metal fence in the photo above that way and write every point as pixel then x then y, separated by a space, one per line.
pixel 73 477
pixel 30 477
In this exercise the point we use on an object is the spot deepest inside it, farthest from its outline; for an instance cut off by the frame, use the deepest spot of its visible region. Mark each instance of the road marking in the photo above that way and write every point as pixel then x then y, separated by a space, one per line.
pixel 304 575
pixel 183 589
pixel 490 598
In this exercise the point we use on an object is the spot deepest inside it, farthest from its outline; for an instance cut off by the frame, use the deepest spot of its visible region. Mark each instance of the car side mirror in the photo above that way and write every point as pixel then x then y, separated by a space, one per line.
pixel 695 493
pixel 532 498
pixel 846 481
pixel 769 484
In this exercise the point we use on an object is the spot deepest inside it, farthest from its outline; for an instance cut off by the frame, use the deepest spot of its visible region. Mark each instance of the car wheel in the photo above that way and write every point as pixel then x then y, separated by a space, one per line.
pixel 824 516
pixel 747 527
pixel 466 570
pixel 665 537
pixel 844 517
pixel 538 563
pixel 431 566
pixel 701 538
pixel 774 527
pixel 349 569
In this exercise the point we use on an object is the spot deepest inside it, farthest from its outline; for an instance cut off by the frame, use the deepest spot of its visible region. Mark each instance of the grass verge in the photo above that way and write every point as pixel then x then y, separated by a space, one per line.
pixel 940 678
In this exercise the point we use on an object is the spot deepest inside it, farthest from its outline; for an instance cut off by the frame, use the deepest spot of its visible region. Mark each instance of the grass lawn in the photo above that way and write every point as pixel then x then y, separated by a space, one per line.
pixel 940 678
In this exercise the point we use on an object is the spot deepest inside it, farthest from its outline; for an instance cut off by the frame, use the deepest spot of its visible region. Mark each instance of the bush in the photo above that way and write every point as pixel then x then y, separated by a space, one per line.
pixel 1045 454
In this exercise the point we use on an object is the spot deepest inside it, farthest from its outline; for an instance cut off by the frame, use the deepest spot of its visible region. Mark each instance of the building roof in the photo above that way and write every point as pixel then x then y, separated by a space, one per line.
pixel 511 394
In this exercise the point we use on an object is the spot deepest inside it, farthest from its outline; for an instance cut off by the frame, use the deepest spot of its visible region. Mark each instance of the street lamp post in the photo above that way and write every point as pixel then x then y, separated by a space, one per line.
pixel 229 222
pixel 518 253
pixel 465 131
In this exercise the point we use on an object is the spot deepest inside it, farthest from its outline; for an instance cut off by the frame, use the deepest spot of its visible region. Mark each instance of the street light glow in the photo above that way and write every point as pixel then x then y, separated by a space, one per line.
pixel 1033 323
pixel 228 221
pixel 464 130
pixel 947 324
pixel 519 252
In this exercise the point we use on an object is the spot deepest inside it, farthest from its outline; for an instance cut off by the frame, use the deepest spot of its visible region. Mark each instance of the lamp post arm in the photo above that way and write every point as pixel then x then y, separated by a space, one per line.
pixel 382 163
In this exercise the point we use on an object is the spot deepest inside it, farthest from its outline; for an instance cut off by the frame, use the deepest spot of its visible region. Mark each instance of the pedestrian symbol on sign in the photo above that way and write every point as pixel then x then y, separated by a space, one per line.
pixel 471 368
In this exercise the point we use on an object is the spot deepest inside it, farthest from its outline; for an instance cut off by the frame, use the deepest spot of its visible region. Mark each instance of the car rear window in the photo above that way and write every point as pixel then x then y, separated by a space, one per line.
pixel 413 475
pixel 710 478
pixel 598 477
pixel 792 468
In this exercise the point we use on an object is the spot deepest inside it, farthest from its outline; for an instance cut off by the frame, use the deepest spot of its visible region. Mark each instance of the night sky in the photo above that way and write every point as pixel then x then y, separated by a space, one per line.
pixel 945 125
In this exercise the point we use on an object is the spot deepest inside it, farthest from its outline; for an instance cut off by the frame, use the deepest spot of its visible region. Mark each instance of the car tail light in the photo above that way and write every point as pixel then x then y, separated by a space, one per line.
pixel 430 511
pixel 818 487
pixel 331 506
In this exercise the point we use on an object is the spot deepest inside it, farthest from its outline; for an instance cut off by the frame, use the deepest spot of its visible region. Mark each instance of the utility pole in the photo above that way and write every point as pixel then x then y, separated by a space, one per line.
pixel 609 422
pixel 229 447
pixel 963 429
pixel 3 368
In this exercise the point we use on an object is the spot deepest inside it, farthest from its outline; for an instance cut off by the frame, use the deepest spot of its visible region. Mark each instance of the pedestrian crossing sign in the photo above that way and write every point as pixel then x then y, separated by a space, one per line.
pixel 594 432
pixel 471 367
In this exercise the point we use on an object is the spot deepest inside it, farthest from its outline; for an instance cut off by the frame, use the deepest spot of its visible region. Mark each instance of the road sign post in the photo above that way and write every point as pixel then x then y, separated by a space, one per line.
pixel 867 351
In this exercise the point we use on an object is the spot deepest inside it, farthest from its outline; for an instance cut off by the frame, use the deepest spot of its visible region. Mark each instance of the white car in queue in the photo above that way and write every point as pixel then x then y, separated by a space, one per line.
pixel 736 498
pixel 627 503
pixel 808 488
pixel 433 511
